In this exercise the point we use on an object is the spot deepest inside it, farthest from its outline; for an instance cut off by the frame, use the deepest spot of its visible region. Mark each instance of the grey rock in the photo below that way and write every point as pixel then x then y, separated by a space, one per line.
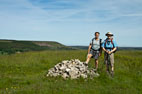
pixel 83 75
pixel 73 69
pixel 65 75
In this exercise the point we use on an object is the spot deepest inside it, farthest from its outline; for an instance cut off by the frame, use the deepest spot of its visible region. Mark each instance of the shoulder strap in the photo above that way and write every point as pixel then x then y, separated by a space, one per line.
pixel 92 40
pixel 100 42
pixel 92 43
pixel 105 43
pixel 112 42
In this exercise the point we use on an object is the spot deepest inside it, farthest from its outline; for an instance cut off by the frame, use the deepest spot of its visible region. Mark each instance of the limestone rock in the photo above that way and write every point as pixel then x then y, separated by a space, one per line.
pixel 72 69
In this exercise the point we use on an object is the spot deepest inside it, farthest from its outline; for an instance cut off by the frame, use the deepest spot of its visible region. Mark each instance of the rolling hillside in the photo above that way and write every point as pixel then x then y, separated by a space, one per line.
pixel 17 46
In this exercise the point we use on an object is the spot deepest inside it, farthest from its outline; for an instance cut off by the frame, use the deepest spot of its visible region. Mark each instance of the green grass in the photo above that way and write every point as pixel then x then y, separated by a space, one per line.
pixel 24 73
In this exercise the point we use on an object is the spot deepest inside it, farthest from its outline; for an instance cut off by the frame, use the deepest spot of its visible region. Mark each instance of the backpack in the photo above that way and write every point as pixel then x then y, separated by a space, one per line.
pixel 99 41
pixel 112 44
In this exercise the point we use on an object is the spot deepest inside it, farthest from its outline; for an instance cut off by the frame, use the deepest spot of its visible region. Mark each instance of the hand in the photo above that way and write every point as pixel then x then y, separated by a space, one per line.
pixel 100 54
pixel 109 52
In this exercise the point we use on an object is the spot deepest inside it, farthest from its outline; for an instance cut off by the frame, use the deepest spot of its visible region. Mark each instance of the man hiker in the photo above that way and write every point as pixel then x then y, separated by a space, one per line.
pixel 109 46
pixel 94 50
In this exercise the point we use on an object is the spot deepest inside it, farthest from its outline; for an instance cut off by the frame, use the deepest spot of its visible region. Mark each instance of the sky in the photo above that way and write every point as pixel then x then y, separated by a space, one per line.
pixel 72 22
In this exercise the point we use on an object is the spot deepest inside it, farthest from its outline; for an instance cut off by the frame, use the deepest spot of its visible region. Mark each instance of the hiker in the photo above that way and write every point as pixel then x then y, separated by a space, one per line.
pixel 94 50
pixel 109 46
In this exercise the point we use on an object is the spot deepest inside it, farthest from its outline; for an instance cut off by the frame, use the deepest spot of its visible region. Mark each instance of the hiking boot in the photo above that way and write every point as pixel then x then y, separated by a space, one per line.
pixel 85 64
pixel 108 73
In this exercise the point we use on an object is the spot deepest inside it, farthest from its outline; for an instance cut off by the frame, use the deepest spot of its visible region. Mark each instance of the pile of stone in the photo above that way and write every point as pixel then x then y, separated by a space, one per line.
pixel 72 69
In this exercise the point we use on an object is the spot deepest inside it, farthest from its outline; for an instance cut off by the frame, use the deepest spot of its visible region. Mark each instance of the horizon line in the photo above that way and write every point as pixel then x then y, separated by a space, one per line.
pixel 66 44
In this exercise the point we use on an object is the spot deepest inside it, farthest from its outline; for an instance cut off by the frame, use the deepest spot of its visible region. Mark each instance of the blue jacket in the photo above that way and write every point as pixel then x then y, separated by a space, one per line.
pixel 108 45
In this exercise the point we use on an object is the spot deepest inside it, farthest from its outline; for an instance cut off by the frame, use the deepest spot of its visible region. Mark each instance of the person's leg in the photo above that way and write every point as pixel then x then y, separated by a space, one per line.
pixel 112 63
pixel 106 62
pixel 88 58
pixel 96 64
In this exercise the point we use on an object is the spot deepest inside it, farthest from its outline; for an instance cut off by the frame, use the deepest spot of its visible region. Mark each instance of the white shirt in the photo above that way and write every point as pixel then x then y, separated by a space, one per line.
pixel 96 44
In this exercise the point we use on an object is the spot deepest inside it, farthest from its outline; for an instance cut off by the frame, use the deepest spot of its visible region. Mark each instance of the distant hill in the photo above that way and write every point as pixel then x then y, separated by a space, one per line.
pixel 80 47
pixel 17 46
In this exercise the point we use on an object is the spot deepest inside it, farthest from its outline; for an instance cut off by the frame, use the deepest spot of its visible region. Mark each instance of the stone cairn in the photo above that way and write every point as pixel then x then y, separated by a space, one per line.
pixel 72 69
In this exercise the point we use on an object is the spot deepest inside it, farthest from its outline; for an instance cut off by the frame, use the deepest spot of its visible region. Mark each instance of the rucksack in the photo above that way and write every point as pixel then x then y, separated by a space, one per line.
pixel 112 44
pixel 99 41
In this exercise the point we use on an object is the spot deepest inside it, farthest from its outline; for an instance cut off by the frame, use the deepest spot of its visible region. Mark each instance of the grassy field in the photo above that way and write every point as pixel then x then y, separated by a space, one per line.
pixel 24 73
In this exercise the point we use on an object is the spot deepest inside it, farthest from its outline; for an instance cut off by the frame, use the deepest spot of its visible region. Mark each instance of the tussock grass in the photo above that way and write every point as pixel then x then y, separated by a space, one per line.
pixel 24 73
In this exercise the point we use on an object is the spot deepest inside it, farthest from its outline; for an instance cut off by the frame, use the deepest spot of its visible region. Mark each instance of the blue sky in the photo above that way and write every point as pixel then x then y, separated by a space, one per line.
pixel 72 22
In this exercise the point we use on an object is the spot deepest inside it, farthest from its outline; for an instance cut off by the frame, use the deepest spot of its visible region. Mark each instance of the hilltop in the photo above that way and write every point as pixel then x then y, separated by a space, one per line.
pixel 17 46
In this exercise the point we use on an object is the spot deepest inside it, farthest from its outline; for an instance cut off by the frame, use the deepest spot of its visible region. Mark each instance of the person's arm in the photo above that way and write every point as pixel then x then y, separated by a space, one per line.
pixel 105 50
pixel 89 48
pixel 103 47
pixel 115 47
pixel 100 51
pixel 113 50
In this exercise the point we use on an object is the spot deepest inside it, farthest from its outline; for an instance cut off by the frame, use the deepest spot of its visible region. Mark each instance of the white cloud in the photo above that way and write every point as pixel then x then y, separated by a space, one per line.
pixel 58 10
